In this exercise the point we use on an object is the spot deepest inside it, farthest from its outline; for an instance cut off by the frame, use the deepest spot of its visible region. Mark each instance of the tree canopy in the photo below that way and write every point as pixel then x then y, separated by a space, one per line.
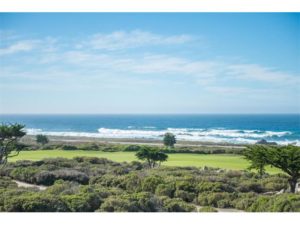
pixel 9 136
pixel 286 158
pixel 169 140
pixel 42 139
pixel 254 155
pixel 151 155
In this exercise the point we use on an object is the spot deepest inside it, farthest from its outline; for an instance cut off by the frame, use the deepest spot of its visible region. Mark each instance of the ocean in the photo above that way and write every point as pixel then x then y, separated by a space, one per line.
pixel 239 129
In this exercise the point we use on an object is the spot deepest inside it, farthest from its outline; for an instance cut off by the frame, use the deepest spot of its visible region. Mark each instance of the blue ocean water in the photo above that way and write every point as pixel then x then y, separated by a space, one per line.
pixel 215 128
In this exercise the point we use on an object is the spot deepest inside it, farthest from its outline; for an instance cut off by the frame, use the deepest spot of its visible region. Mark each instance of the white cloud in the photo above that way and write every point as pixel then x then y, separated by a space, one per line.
pixel 203 72
pixel 261 73
pixel 20 46
pixel 91 63
pixel 132 39
pixel 44 45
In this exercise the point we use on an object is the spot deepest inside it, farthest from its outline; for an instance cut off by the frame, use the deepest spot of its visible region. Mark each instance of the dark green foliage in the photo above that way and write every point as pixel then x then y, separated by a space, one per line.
pixel 286 158
pixel 71 175
pixel 185 185
pixel 151 155
pixel 6 182
pixel 169 140
pixel 69 147
pixel 34 202
pixel 88 184
pixel 45 178
pixel 150 183
pixel 244 201
pixel 140 202
pixel 254 155
pixel 177 205
pixel 213 187
pixel 218 199
pixel 165 190
pixel 117 204
pixel 9 137
pixel 184 195
pixel 42 139
pixel 89 147
pixel 275 183
pixel 280 203
pixel 87 202
pixel 26 174
pixel 132 182
pixel 250 186
pixel 132 148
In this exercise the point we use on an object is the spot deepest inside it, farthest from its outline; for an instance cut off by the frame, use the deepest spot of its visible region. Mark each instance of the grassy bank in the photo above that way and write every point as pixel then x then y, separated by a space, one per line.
pixel 224 161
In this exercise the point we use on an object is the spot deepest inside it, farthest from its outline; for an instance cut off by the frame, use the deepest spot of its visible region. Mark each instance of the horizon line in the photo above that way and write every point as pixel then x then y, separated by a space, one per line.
pixel 264 113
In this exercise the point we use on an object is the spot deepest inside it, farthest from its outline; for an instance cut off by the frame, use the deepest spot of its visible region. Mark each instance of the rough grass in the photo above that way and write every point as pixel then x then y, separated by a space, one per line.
pixel 224 161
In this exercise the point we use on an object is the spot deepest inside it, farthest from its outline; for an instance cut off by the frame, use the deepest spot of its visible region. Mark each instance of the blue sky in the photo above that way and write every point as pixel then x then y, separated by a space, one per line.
pixel 149 63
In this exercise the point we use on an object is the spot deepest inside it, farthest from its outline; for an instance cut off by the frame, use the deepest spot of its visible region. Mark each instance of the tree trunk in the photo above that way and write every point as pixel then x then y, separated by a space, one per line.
pixel 293 183
pixel 149 163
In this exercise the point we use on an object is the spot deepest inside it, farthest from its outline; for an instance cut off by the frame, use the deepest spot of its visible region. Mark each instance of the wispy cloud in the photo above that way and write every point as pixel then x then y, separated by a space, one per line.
pixel 132 39
pixel 202 71
pixel 20 46
pixel 73 60
pixel 261 73
pixel 44 45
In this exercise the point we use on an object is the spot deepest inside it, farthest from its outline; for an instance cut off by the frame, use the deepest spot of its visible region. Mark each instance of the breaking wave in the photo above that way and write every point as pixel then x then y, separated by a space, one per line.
pixel 206 135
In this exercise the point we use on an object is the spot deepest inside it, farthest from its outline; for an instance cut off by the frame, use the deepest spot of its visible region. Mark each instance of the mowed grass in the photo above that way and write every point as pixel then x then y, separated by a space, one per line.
pixel 224 161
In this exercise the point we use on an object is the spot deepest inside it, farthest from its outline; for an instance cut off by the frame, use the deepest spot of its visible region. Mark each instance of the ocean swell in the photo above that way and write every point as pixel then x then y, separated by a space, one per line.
pixel 205 135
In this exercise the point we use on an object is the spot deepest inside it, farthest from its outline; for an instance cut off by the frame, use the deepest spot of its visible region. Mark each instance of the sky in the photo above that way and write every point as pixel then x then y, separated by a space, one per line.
pixel 96 63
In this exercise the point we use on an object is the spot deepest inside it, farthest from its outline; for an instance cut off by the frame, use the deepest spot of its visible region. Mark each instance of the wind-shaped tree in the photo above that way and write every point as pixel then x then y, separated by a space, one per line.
pixel 286 158
pixel 151 155
pixel 9 136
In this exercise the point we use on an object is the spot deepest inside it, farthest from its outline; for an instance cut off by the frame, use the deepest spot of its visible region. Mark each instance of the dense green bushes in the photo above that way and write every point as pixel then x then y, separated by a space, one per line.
pixel 177 205
pixel 109 147
pixel 151 182
pixel 135 202
pixel 216 199
pixel 280 203
pixel 165 190
pixel 87 184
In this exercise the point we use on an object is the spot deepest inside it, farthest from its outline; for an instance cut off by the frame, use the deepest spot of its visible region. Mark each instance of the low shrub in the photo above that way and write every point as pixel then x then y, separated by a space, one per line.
pixel 165 190
pixel 117 204
pixel 69 147
pixel 250 186
pixel 71 175
pixel 48 178
pixel 213 187
pixel 244 201
pixel 84 202
pixel 184 195
pixel 218 199
pixel 6 182
pixel 132 148
pixel 26 174
pixel 185 185
pixel 177 205
pixel 35 202
pixel 151 182
pixel 88 147
pixel 45 178
pixel 278 203
pixel 207 209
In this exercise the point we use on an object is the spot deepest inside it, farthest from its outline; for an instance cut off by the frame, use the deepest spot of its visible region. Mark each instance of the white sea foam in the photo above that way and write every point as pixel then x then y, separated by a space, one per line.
pixel 207 135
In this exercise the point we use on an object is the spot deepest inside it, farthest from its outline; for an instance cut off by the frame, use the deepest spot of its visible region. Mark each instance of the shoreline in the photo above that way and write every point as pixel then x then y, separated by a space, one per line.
pixel 130 141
